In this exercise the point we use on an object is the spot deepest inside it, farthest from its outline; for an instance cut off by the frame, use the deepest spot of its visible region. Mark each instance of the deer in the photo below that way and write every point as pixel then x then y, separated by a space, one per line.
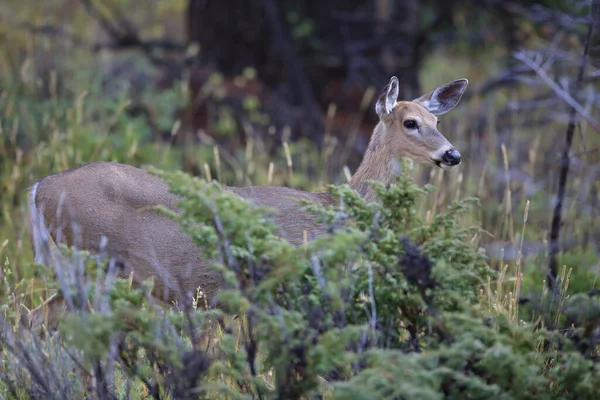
pixel 106 206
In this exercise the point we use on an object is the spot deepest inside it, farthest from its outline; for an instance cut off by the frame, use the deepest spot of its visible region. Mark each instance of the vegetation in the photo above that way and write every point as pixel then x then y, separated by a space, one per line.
pixel 438 290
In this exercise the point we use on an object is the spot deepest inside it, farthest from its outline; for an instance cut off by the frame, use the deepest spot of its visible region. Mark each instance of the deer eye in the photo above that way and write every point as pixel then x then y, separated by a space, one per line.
pixel 410 124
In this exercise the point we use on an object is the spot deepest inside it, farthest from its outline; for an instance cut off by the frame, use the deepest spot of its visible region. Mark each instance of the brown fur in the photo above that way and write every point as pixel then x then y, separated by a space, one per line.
pixel 82 205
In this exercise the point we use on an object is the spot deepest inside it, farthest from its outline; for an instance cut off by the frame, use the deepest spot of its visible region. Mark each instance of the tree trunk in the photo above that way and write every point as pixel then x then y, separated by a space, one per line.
pixel 398 32
pixel 233 35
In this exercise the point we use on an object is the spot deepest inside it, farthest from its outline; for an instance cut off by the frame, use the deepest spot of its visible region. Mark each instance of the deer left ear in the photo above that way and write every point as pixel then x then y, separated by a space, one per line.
pixel 444 98
pixel 388 99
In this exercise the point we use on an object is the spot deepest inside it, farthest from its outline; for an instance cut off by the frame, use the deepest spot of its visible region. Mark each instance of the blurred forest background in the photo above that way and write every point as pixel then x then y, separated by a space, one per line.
pixel 282 92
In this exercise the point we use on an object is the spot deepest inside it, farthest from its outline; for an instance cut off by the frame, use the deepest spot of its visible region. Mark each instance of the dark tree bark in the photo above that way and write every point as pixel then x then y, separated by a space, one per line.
pixel 233 34
pixel 352 44
pixel 236 34
pixel 554 243
pixel 398 31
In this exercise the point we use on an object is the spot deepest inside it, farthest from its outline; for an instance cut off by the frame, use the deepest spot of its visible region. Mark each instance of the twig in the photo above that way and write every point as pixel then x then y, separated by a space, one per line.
pixel 553 245
pixel 540 14
pixel 561 93
pixel 112 29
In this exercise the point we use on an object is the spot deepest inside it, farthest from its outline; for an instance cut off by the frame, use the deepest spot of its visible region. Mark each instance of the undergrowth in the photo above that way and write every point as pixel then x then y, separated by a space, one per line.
pixel 383 306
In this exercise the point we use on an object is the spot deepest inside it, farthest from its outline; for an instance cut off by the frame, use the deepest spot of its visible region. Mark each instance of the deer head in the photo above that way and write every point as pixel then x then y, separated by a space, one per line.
pixel 410 128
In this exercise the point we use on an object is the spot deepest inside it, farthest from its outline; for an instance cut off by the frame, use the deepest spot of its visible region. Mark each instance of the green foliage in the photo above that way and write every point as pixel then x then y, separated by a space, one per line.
pixel 365 305
pixel 382 306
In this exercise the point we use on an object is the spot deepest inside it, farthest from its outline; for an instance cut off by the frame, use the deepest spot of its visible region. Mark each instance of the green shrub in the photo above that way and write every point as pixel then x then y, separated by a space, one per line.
pixel 383 306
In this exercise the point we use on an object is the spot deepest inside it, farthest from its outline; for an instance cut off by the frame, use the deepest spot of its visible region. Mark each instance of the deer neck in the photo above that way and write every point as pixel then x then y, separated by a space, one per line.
pixel 378 164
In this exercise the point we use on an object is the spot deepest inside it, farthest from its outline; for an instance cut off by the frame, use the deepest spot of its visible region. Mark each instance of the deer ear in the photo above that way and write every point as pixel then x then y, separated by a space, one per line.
pixel 388 99
pixel 444 98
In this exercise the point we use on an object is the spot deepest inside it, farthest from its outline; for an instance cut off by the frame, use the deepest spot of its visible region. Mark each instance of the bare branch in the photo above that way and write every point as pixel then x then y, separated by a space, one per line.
pixel 125 35
pixel 536 66
pixel 541 14
pixel 58 32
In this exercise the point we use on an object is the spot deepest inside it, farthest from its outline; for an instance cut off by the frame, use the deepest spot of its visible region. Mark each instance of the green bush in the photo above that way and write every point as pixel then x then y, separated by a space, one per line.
pixel 383 306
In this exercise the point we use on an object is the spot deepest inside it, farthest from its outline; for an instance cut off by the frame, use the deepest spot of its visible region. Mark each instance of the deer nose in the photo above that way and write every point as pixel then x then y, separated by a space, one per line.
pixel 451 157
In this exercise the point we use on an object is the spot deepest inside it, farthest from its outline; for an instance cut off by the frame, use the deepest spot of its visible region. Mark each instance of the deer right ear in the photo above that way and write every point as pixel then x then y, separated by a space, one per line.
pixel 388 99
pixel 444 98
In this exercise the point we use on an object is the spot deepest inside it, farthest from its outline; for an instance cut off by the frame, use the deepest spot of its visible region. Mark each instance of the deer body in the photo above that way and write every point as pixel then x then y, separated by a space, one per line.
pixel 112 200
pixel 104 206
